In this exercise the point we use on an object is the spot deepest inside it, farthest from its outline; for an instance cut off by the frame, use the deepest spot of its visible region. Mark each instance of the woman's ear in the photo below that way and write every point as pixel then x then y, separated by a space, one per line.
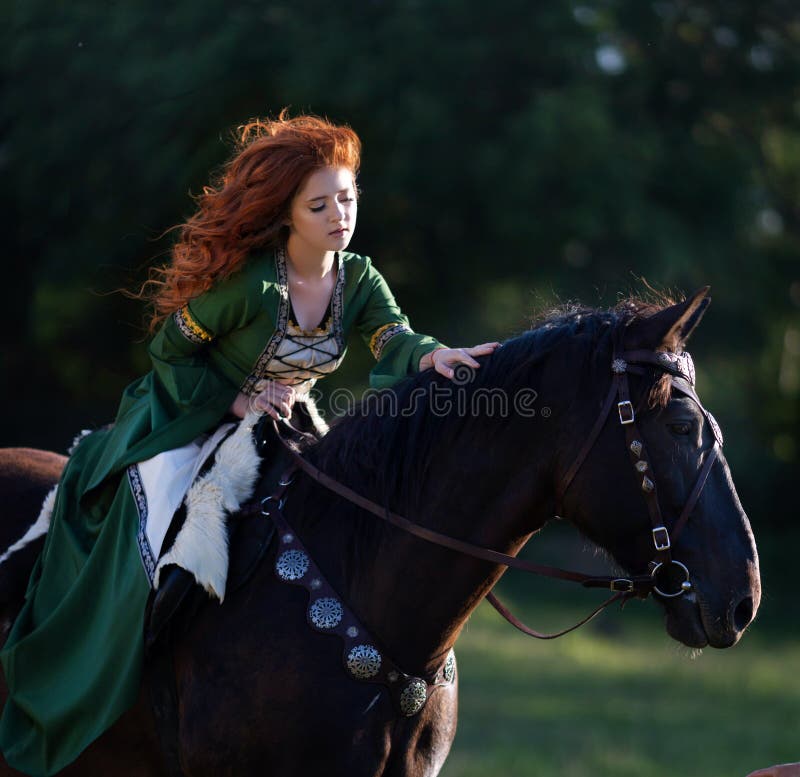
pixel 669 329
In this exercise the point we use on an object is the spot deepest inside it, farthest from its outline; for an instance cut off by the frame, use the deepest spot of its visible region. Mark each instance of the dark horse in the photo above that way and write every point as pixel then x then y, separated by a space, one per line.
pixel 260 693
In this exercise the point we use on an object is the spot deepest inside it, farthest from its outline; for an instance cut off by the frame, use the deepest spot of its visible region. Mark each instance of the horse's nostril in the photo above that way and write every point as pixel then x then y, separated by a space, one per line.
pixel 743 613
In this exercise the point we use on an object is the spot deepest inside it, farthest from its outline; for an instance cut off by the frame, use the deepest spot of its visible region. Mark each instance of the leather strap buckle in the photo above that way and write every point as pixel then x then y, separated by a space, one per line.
pixel 625 410
pixel 661 538
pixel 622 585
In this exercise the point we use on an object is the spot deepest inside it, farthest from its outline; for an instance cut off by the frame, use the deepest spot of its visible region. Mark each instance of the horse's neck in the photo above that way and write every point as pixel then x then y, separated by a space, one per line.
pixel 430 592
pixel 416 596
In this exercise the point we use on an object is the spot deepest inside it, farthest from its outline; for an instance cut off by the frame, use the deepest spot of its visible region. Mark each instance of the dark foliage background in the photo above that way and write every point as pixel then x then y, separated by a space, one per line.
pixel 517 154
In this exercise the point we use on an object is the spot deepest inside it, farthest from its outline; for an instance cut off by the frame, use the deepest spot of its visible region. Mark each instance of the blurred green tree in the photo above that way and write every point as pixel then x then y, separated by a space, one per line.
pixel 516 154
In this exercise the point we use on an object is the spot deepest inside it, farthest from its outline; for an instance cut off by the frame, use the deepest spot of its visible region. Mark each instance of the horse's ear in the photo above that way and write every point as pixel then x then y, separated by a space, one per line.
pixel 669 329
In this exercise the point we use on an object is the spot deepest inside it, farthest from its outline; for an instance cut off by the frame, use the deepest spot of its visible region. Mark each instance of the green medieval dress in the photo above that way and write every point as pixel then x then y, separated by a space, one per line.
pixel 74 657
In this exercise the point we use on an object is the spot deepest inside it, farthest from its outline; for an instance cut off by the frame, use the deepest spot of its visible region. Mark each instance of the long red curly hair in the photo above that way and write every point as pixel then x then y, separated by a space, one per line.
pixel 247 205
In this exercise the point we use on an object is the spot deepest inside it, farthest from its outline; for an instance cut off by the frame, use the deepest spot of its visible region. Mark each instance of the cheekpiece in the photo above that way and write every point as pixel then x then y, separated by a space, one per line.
pixel 325 613
pixel 714 427
pixel 363 662
pixel 413 697
pixel 291 565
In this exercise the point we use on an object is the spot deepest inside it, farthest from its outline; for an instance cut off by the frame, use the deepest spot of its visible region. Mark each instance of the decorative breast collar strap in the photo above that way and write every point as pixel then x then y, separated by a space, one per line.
pixel 327 613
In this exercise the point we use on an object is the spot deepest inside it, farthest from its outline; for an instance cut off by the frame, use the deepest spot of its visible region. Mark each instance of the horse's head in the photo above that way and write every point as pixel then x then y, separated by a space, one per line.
pixel 608 497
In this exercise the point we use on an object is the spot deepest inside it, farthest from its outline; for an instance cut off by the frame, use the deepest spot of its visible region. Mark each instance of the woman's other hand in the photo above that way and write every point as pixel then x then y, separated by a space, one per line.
pixel 784 770
pixel 445 360
pixel 273 398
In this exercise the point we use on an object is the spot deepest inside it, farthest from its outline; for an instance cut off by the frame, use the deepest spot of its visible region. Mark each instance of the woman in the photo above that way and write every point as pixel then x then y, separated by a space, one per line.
pixel 254 307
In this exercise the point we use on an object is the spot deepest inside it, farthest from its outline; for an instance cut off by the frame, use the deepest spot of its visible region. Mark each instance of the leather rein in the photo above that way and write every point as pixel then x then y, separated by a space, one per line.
pixel 681 369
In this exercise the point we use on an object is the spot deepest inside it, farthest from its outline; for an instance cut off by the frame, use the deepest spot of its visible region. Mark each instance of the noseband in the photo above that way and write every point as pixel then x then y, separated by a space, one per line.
pixel 681 370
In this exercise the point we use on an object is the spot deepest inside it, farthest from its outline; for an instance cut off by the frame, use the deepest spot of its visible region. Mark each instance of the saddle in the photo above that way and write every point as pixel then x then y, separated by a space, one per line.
pixel 178 597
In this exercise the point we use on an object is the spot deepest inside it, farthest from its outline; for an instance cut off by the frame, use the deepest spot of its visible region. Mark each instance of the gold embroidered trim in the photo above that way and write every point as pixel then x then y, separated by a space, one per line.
pixel 189 327
pixel 315 332
pixel 383 334
pixel 378 332
pixel 259 371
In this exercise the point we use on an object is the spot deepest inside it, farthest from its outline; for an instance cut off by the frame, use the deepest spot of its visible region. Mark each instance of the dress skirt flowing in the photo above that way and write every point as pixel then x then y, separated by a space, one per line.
pixel 73 659
pixel 74 656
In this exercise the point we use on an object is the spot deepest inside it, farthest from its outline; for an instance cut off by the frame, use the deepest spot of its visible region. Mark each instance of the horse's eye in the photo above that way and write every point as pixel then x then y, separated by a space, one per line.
pixel 680 428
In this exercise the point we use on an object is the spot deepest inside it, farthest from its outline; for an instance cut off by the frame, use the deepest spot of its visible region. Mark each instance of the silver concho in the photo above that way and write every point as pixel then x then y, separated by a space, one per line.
pixel 636 447
pixel 413 697
pixel 291 565
pixel 352 631
pixel 364 662
pixel 647 485
pixel 641 466
pixel 325 613
pixel 619 366
pixel 449 671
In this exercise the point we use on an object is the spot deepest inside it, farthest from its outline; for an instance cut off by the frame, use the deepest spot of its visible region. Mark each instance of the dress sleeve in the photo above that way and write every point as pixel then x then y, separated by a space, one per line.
pixel 184 395
pixel 183 378
pixel 396 347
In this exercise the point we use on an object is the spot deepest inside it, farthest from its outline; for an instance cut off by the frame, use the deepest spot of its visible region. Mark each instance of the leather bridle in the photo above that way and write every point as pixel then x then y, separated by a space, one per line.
pixel 681 370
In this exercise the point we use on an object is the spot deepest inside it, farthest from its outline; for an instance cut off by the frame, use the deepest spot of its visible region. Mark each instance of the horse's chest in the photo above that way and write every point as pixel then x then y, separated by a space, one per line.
pixel 306 716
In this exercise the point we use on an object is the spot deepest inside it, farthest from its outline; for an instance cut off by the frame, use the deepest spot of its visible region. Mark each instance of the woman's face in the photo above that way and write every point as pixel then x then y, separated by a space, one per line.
pixel 323 213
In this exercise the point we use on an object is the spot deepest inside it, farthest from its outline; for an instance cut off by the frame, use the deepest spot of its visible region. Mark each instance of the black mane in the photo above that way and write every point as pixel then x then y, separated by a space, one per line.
pixel 391 434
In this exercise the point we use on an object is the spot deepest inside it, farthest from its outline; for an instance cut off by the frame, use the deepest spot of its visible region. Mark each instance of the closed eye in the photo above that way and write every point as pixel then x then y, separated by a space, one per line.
pixel 318 208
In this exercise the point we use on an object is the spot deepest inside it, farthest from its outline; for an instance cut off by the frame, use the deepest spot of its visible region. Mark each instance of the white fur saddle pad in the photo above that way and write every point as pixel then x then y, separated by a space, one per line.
pixel 161 484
